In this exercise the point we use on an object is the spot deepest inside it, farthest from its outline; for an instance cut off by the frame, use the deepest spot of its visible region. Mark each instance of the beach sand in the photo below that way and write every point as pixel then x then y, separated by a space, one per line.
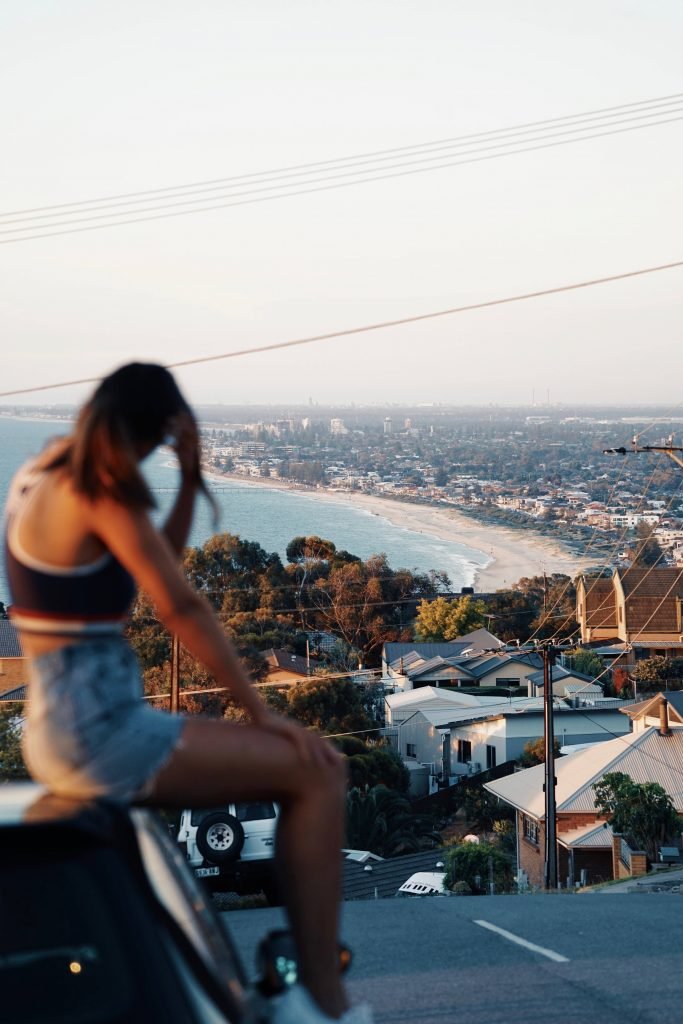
pixel 513 553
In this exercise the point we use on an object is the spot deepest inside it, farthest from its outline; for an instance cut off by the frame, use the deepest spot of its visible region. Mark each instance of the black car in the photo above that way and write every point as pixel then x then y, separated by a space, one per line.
pixel 102 922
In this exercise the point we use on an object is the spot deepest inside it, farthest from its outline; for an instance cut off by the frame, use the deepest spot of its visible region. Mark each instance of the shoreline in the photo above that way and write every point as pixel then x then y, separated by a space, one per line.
pixel 509 554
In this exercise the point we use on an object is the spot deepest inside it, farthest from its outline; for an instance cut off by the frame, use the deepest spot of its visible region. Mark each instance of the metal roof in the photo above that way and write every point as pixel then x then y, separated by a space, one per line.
pixel 650 706
pixel 558 673
pixel 17 693
pixel 428 695
pixel 432 665
pixel 658 645
pixel 645 756
pixel 587 837
pixel 10 645
pixel 387 875
pixel 496 709
pixel 393 652
pixel 477 641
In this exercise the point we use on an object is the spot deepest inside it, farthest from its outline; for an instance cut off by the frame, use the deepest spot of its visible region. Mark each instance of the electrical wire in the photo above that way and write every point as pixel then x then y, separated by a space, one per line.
pixel 587 116
pixel 169 210
pixel 346 170
pixel 616 546
pixel 366 328
pixel 606 600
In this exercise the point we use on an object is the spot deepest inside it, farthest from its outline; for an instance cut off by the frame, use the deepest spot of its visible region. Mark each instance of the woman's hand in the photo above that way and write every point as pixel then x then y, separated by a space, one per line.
pixel 186 445
pixel 311 748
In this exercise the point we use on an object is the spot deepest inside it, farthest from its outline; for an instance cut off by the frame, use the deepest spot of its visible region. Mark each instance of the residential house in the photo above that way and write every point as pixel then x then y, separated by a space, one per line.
pixel 458 741
pixel 637 613
pixel 464 662
pixel 286 668
pixel 567 683
pixel 656 711
pixel 13 664
pixel 585 845
pixel 476 642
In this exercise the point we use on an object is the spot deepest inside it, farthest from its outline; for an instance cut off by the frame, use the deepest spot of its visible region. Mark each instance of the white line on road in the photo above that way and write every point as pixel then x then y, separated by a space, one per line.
pixel 549 953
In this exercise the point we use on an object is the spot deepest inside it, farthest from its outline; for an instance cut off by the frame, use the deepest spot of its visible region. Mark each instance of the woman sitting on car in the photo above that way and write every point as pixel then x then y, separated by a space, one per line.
pixel 79 540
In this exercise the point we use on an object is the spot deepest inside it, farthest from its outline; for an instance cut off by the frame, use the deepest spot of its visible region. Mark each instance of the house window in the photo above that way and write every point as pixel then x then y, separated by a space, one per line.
pixel 490 756
pixel 411 750
pixel 530 830
pixel 464 751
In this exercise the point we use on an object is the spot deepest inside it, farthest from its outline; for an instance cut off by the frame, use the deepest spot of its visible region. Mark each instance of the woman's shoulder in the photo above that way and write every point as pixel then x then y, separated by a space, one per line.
pixel 31 471
pixel 52 451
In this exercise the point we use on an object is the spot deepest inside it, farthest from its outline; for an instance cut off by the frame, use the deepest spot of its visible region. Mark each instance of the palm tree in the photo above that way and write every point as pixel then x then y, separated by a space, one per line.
pixel 382 821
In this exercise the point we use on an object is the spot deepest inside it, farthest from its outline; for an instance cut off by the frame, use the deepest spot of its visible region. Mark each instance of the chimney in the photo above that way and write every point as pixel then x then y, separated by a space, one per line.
pixel 664 729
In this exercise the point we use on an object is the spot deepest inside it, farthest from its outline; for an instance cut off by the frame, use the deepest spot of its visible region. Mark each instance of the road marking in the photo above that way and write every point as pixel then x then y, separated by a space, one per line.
pixel 549 953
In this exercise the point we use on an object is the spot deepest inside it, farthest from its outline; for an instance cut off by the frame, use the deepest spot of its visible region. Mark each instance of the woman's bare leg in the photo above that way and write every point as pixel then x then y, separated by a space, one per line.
pixel 219 762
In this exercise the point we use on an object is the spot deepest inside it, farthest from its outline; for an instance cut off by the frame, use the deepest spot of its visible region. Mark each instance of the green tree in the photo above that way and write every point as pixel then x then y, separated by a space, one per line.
pixel 586 662
pixel 541 605
pixel 373 764
pixel 367 603
pixel 310 549
pixel 442 619
pixel 534 752
pixel 481 809
pixel 235 575
pixel 475 863
pixel 329 705
pixel 382 821
pixel 642 811
pixel 12 765
pixel 273 697
pixel 147 635
pixel 648 550
pixel 658 673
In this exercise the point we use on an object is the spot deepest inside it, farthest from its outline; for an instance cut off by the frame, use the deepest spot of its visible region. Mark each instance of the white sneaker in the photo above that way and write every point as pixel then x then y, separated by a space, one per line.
pixel 297 1007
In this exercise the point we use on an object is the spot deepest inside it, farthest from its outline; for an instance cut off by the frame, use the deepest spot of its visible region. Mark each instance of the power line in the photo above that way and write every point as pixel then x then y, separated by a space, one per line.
pixel 616 546
pixel 280 180
pixel 382 325
pixel 587 116
pixel 328 184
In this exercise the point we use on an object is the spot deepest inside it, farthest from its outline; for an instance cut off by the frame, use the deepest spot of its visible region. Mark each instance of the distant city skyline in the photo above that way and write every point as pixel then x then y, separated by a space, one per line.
pixel 115 99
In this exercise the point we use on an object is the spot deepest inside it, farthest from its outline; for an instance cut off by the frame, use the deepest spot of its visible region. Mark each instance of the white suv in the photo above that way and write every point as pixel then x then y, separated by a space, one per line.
pixel 232 845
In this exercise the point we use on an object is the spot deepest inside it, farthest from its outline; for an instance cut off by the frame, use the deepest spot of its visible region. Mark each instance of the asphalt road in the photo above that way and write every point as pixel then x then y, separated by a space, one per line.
pixel 602 959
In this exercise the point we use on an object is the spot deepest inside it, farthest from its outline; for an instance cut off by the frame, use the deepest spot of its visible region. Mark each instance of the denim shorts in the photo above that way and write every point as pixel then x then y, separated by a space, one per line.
pixel 88 731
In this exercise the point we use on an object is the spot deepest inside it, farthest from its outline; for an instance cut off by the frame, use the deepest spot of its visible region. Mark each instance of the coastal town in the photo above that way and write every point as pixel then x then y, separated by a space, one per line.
pixel 452 686
pixel 540 468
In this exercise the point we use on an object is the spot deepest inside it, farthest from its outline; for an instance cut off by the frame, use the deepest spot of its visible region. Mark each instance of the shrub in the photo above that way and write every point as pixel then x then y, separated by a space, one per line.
pixel 472 863
pixel 462 889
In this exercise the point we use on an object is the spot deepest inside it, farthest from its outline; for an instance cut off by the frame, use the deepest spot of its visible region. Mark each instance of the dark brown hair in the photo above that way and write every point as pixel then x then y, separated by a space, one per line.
pixel 131 407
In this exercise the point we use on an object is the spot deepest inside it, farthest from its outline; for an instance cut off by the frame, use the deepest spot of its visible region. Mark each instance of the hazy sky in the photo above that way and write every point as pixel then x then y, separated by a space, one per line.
pixel 102 97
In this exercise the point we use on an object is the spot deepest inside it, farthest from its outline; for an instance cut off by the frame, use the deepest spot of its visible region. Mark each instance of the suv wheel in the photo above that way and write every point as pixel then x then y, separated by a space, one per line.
pixel 220 837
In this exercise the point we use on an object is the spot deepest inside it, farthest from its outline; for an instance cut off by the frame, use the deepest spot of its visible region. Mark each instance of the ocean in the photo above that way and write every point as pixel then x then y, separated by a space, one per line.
pixel 270 516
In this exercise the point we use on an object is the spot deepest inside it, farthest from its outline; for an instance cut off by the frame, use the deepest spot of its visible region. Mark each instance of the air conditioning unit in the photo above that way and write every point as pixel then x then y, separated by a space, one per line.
pixel 474 767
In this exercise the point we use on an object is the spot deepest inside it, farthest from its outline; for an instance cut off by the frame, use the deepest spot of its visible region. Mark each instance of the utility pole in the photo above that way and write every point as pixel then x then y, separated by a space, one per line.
pixel 674 452
pixel 550 871
pixel 175 674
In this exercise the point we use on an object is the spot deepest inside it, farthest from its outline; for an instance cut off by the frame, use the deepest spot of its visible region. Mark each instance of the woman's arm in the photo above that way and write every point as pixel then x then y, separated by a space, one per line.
pixel 147 554
pixel 131 536
pixel 176 529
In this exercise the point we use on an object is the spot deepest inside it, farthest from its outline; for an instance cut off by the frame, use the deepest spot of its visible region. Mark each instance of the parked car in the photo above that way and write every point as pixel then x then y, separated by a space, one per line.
pixel 424 883
pixel 232 846
pixel 103 922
